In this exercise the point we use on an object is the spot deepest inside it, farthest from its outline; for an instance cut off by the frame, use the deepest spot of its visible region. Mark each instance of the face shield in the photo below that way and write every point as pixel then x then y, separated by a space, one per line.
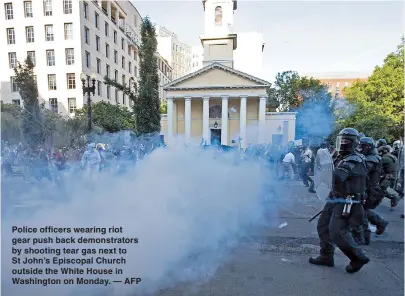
pixel 343 144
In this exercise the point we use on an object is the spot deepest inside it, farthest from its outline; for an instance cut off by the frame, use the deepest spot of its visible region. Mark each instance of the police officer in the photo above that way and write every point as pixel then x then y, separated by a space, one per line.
pixel 374 193
pixel 349 184
pixel 399 154
pixel 389 174
pixel 381 142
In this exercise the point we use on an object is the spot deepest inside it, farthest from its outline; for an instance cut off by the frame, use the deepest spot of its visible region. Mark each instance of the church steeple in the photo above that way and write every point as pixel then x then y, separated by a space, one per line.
pixel 218 41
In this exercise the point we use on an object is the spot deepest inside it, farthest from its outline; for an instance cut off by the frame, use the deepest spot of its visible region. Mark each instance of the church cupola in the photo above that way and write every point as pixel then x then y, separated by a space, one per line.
pixel 218 41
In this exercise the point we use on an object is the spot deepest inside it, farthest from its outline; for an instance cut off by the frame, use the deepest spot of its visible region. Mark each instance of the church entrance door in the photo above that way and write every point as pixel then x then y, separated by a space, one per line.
pixel 215 137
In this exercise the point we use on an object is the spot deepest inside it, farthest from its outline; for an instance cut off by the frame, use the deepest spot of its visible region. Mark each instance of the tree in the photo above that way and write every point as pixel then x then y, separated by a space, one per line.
pixel 111 118
pixel 32 119
pixel 163 107
pixel 147 106
pixel 287 91
pixel 379 101
pixel 11 123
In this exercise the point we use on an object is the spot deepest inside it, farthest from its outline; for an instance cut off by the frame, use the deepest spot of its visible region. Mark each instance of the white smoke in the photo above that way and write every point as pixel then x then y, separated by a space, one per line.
pixel 187 207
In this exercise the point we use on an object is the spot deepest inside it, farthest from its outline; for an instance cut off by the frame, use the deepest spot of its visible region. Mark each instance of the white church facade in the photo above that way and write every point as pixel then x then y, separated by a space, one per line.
pixel 217 103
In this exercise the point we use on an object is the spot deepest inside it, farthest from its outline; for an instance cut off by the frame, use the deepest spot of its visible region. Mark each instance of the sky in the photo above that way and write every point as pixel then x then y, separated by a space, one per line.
pixel 310 37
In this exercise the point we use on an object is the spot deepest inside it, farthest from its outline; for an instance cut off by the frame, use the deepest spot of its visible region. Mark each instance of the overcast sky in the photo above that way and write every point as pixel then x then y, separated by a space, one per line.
pixel 304 36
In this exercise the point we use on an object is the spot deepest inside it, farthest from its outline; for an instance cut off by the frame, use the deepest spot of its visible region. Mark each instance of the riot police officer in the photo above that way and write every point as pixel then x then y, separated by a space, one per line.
pixel 381 142
pixel 389 174
pixel 349 185
pixel 374 193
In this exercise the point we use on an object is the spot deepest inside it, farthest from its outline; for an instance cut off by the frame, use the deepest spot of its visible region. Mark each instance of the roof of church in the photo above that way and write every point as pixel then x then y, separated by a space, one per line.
pixel 235 4
pixel 261 82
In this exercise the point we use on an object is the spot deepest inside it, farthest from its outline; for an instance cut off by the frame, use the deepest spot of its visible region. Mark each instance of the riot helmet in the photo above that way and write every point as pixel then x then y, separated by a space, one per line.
pixel 347 140
pixel 396 145
pixel 381 142
pixel 384 149
pixel 366 145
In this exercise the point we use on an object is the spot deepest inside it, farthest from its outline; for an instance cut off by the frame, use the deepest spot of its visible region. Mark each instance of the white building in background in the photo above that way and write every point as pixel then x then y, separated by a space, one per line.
pixel 174 51
pixel 250 44
pixel 197 58
pixel 165 74
pixel 65 38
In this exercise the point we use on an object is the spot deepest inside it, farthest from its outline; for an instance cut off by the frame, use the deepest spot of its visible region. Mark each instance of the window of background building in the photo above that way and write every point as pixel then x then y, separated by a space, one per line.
pixel 106 29
pixel 88 62
pixel 68 31
pixel 97 43
pixel 123 79
pixel 8 9
pixel 49 36
pixel 96 20
pixel 29 34
pixel 135 56
pixel 70 56
pixel 122 43
pixel 67 7
pixel 28 9
pixel 16 102
pixel 107 71
pixel 136 71
pixel 108 92
pixel 53 105
pixel 13 84
pixel 72 105
pixel 10 36
pixel 115 57
pixel 130 67
pixel 48 7
pixel 85 10
pixel 129 50
pixel 107 50
pixel 71 80
pixel 116 75
pixel 123 99
pixel 51 81
pixel 116 96
pixel 12 59
pixel 31 55
pixel 115 37
pixel 87 35
pixel 50 57
pixel 123 62
pixel 98 66
pixel 346 84
pixel 99 88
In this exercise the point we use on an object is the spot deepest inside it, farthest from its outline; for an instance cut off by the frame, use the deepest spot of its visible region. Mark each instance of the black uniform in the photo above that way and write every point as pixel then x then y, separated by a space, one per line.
pixel 349 180
pixel 389 172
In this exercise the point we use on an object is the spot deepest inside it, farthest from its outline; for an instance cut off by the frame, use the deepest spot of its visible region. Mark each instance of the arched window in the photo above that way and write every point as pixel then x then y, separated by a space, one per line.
pixel 218 16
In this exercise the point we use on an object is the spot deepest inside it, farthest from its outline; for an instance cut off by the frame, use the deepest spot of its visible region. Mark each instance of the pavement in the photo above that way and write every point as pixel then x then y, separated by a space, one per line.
pixel 274 260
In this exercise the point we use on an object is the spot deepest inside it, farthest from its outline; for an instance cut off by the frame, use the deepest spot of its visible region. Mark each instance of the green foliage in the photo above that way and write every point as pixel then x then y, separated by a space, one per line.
pixel 289 89
pixel 11 123
pixel 32 118
pixel 111 118
pixel 147 107
pixel 379 101
pixel 130 90
pixel 163 107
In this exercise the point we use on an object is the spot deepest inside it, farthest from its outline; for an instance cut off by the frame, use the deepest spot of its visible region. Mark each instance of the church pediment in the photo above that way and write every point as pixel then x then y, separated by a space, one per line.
pixel 216 76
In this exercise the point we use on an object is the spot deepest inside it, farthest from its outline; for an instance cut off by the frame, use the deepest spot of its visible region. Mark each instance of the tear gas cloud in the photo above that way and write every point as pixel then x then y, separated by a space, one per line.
pixel 187 206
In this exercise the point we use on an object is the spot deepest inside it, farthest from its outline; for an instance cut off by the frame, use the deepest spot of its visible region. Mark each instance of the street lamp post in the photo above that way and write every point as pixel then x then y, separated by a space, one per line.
pixel 89 90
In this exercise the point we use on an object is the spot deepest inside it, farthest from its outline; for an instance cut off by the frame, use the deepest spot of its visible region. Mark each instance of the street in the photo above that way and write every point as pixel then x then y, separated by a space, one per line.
pixel 274 260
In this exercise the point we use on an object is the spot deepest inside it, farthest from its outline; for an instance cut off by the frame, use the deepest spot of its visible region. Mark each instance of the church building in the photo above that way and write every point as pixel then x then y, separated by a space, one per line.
pixel 219 104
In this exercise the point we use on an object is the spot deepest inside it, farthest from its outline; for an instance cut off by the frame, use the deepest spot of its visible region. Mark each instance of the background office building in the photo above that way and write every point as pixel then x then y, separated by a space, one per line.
pixel 65 38
pixel 165 73
pixel 174 51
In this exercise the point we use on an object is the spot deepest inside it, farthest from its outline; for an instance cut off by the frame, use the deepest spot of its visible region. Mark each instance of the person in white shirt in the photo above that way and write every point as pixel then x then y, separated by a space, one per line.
pixel 91 160
pixel 288 163
pixel 306 158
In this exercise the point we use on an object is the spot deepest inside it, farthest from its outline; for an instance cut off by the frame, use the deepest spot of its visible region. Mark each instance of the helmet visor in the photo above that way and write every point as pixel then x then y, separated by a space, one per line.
pixel 343 144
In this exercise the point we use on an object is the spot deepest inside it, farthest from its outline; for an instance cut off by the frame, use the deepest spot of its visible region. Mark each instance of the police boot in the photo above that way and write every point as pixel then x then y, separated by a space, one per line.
pixel 357 264
pixel 381 227
pixel 325 260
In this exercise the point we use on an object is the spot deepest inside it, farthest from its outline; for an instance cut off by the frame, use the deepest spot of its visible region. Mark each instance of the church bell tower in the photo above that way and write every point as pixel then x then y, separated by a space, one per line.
pixel 218 40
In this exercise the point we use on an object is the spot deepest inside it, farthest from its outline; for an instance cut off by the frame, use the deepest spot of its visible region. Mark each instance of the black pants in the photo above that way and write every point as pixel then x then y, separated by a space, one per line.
pixel 305 167
pixel 333 228
pixel 374 218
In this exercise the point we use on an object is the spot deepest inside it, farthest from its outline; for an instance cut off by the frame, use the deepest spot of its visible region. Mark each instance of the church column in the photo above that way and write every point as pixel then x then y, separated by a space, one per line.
pixel 262 120
pixel 169 121
pixel 224 121
pixel 187 119
pixel 242 120
pixel 206 120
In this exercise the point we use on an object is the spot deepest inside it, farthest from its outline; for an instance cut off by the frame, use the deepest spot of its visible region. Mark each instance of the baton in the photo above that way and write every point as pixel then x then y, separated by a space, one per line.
pixel 310 220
